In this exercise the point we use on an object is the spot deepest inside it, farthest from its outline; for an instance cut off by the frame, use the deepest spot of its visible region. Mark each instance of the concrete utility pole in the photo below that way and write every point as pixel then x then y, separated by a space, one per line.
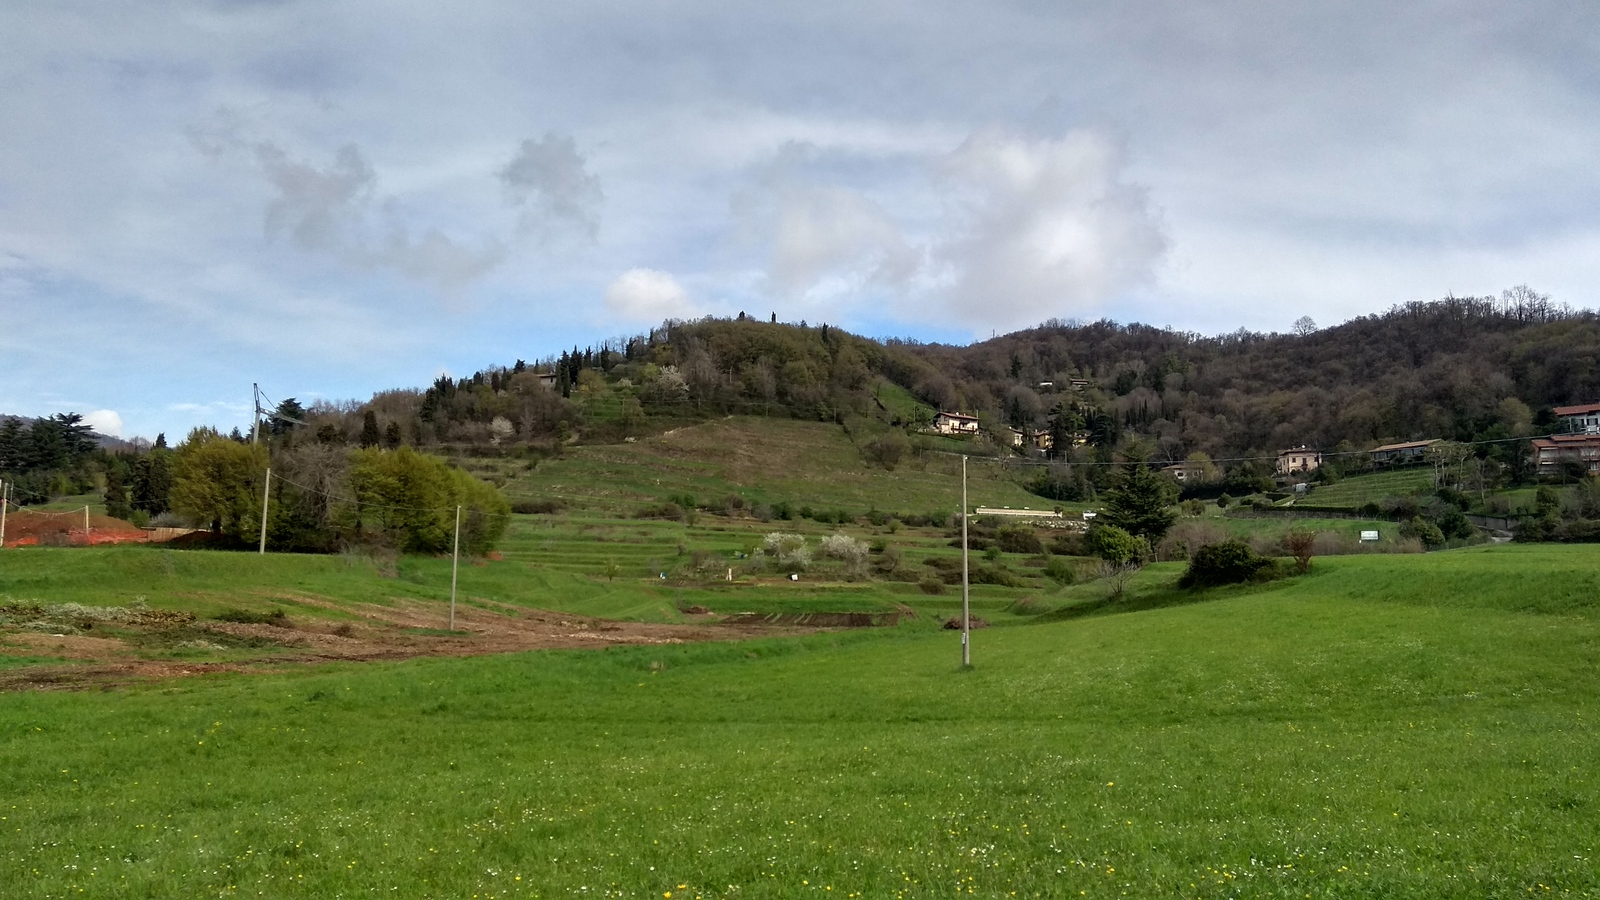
pixel 966 607
pixel 86 523
pixel 455 560
pixel 266 497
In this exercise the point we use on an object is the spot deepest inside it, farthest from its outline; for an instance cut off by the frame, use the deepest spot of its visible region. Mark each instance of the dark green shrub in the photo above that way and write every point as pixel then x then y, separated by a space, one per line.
pixel 1424 531
pixel 1019 539
pixel 538 507
pixel 1230 562
pixel 1114 545
pixel 1061 571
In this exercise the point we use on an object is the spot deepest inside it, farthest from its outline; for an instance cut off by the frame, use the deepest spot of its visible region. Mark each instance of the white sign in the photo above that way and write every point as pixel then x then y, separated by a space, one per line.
pixel 1369 535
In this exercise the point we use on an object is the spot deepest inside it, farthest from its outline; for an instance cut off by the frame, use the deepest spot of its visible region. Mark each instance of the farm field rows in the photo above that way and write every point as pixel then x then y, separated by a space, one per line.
pixel 1398 726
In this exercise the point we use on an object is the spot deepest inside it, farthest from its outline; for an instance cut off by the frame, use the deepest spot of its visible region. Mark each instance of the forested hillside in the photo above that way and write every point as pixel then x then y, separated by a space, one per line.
pixel 1458 368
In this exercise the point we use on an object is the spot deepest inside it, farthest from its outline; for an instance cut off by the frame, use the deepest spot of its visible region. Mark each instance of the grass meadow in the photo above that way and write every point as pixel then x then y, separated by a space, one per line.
pixel 1395 726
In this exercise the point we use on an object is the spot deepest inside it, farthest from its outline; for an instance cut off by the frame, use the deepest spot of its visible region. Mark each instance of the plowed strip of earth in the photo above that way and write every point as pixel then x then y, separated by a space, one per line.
pixel 119 655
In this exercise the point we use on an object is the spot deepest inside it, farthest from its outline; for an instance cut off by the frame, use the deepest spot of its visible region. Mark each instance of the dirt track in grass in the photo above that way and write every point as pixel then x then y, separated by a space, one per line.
pixel 100 656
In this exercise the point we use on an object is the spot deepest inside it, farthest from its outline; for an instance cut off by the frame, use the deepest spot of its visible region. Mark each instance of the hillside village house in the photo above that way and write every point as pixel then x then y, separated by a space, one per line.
pixel 1582 419
pixel 1010 436
pixel 1042 440
pixel 1298 459
pixel 1179 471
pixel 1549 453
pixel 955 423
pixel 1406 452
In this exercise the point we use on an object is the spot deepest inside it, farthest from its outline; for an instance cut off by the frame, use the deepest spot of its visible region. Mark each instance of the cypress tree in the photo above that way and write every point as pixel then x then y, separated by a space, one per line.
pixel 369 429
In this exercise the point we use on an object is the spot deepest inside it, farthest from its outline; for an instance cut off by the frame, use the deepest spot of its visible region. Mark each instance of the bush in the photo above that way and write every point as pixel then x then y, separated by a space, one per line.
pixel 844 548
pixel 887 449
pixel 932 585
pixel 1061 571
pixel 1114 545
pixel 1424 531
pixel 1223 501
pixel 1019 539
pixel 538 507
pixel 1301 544
pixel 1187 537
pixel 250 617
pixel 660 511
pixel 1193 507
pixel 1068 543
pixel 1230 562
pixel 788 551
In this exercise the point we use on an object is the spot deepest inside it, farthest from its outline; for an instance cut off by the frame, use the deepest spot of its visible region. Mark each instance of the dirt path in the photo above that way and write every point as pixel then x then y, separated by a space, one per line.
pixel 402 631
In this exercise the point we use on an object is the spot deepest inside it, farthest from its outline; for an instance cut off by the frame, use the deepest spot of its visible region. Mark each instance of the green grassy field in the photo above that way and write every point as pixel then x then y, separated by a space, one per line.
pixel 1395 726
pixel 1356 490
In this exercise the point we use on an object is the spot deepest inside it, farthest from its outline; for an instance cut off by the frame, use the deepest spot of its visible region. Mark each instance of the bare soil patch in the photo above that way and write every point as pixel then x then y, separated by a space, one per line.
pixel 140 651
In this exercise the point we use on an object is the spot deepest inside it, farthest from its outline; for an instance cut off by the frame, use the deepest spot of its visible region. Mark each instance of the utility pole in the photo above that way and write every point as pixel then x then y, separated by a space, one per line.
pixel 4 488
pixel 255 404
pixel 266 497
pixel 86 524
pixel 966 607
pixel 455 559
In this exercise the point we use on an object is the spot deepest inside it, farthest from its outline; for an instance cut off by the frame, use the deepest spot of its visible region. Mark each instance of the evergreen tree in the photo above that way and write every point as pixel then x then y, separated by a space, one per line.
pixel 152 481
pixel 370 436
pixel 392 437
pixel 288 414
pixel 1140 502
pixel 116 496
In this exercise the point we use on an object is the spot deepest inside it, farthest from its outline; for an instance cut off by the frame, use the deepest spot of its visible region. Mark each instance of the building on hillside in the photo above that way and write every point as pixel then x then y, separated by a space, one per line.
pixel 547 380
pixel 955 423
pixel 1185 472
pixel 1078 384
pixel 1011 437
pixel 1550 453
pixel 1582 419
pixel 1405 452
pixel 1023 513
pixel 1041 440
pixel 1299 459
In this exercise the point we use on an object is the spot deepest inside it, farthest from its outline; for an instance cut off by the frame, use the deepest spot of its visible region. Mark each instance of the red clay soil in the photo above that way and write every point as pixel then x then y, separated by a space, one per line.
pixel 25 528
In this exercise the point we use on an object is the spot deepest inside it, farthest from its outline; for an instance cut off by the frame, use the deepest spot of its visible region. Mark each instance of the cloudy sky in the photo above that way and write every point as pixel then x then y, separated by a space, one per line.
pixel 333 197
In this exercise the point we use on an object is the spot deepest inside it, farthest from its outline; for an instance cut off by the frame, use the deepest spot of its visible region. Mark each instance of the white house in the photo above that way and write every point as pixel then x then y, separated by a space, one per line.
pixel 955 423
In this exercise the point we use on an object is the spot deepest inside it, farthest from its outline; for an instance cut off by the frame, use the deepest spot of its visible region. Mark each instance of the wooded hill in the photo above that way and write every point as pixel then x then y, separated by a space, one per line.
pixel 1459 368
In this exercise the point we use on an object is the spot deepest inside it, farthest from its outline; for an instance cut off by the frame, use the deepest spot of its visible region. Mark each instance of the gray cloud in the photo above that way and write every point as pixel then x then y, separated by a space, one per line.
pixel 332 210
pixel 549 178
pixel 319 208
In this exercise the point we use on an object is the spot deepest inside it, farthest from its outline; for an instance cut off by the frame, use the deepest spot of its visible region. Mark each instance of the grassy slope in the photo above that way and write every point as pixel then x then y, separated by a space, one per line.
pixel 1357 490
pixel 1390 726
pixel 763 460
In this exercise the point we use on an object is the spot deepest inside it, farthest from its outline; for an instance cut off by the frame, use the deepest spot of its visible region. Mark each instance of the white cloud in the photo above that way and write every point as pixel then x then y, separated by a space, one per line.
pixel 105 421
pixel 1048 228
pixel 647 295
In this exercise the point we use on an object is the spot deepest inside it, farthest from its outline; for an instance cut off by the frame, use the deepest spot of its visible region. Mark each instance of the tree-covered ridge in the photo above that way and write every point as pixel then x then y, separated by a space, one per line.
pixel 1464 369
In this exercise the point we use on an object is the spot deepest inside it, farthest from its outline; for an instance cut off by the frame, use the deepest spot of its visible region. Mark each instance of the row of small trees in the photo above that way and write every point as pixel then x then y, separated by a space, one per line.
pixel 322 498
